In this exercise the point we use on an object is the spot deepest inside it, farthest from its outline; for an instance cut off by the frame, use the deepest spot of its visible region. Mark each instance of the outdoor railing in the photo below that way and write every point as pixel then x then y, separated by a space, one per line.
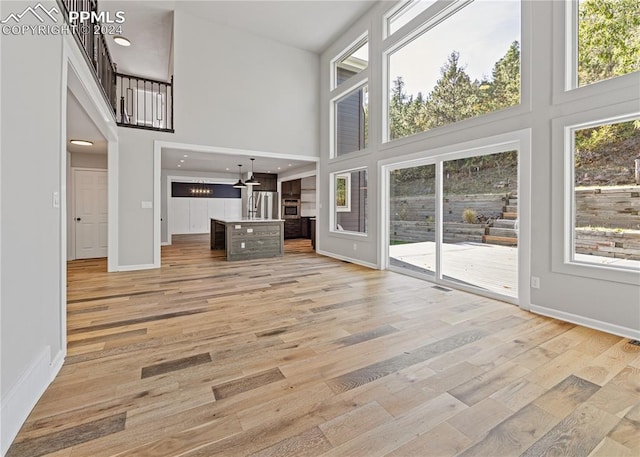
pixel 144 103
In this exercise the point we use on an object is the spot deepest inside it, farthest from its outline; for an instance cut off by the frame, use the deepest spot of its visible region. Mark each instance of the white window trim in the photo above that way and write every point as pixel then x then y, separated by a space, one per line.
pixel 347 195
pixel 333 210
pixel 518 140
pixel 420 25
pixel 361 40
pixel 563 210
pixel 333 120
pixel 565 60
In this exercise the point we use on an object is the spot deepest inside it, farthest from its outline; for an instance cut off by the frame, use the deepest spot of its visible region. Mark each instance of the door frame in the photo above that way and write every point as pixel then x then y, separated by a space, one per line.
pixel 519 140
pixel 72 212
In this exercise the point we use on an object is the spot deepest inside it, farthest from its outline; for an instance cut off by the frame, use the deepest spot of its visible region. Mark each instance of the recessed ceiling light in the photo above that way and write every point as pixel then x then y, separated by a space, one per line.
pixel 81 142
pixel 289 164
pixel 186 155
pixel 279 168
pixel 122 41
pixel 268 171
pixel 181 160
pixel 179 165
pixel 227 168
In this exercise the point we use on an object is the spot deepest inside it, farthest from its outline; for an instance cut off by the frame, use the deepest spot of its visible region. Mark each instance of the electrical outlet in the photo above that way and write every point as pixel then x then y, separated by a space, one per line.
pixel 535 282
pixel 355 246
pixel 242 245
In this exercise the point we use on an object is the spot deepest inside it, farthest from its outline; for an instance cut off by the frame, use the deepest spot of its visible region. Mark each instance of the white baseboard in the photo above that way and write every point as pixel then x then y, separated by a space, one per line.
pixel 614 329
pixel 348 259
pixel 165 243
pixel 146 266
pixel 23 396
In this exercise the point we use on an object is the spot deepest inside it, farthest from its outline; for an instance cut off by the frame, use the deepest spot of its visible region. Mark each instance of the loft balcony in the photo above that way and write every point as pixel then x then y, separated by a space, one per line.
pixel 144 103
pixel 135 101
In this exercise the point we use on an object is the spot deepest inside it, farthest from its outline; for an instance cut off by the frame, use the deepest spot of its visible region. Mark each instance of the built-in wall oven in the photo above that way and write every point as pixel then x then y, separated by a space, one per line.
pixel 291 208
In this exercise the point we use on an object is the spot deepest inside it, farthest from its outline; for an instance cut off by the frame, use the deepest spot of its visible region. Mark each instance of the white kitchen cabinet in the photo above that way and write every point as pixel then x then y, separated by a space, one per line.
pixel 180 216
pixel 216 208
pixel 192 215
pixel 198 220
pixel 232 208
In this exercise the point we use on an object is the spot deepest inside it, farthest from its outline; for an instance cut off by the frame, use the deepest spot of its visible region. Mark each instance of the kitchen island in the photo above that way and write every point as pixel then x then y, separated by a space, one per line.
pixel 248 238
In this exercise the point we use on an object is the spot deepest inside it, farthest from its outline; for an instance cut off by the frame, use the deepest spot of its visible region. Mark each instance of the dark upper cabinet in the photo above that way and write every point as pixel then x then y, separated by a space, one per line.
pixel 291 188
pixel 268 182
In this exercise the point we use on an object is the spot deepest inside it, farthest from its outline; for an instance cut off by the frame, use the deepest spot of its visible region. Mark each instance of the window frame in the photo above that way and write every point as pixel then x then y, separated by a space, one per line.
pixel 333 210
pixel 421 24
pixel 565 58
pixel 354 46
pixel 563 183
pixel 333 123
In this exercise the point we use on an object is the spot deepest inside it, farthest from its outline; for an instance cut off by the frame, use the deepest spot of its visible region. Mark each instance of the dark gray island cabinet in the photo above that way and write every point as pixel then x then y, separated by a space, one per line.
pixel 245 239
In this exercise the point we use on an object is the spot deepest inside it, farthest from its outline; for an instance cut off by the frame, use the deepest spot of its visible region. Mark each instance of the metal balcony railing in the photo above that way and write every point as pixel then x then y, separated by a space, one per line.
pixel 144 103
pixel 135 101
pixel 94 48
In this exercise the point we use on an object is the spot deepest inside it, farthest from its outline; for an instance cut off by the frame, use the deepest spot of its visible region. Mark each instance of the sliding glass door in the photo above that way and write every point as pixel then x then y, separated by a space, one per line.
pixel 455 221
pixel 412 227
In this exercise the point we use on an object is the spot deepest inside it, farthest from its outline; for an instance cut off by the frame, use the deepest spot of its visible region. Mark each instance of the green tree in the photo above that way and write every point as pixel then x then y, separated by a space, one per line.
pixel 504 90
pixel 398 108
pixel 454 96
pixel 608 46
pixel 608 39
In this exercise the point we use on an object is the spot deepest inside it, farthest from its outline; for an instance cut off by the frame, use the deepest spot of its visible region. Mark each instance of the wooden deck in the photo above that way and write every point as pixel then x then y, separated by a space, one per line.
pixel 310 356
pixel 486 266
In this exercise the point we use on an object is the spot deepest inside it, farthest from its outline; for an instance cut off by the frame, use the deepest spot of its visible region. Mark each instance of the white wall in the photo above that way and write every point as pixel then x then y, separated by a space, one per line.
pixel 583 298
pixel 135 185
pixel 237 90
pixel 88 160
pixel 31 276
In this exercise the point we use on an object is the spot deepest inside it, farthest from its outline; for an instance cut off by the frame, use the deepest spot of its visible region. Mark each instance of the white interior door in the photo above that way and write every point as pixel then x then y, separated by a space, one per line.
pixel 90 203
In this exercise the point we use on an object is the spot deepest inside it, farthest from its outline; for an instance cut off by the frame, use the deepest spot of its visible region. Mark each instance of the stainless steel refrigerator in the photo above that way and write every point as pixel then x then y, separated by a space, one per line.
pixel 263 205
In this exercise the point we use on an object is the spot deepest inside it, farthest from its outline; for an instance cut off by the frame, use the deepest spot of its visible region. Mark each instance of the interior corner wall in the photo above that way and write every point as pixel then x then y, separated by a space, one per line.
pixel 237 90
pixel 31 276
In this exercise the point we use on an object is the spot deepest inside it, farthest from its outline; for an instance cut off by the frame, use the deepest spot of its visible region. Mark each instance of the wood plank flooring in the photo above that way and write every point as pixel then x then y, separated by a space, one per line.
pixel 310 356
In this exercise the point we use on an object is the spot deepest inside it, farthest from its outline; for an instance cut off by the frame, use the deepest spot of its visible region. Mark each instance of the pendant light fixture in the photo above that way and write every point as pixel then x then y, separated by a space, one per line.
pixel 239 184
pixel 252 181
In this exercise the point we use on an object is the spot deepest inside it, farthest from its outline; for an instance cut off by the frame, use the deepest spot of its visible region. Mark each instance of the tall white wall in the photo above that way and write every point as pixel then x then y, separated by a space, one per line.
pixel 31 276
pixel 237 90
pixel 584 298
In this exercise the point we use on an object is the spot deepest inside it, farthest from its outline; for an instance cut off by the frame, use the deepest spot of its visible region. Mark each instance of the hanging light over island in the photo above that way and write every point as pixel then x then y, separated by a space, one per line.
pixel 252 181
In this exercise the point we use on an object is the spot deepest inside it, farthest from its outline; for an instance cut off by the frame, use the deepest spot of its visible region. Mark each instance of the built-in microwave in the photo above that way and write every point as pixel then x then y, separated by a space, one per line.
pixel 290 208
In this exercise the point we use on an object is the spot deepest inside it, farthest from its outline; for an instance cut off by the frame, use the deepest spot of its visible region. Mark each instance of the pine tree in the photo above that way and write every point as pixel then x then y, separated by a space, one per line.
pixel 504 90
pixel 454 97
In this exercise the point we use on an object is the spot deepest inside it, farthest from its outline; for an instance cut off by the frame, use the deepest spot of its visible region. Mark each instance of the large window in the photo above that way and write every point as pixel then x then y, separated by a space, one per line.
pixel 606 196
pixel 352 123
pixel 608 39
pixel 462 67
pixel 350 201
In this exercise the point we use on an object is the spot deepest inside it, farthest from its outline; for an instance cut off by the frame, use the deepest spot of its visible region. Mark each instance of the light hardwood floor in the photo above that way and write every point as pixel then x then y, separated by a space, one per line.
pixel 306 355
